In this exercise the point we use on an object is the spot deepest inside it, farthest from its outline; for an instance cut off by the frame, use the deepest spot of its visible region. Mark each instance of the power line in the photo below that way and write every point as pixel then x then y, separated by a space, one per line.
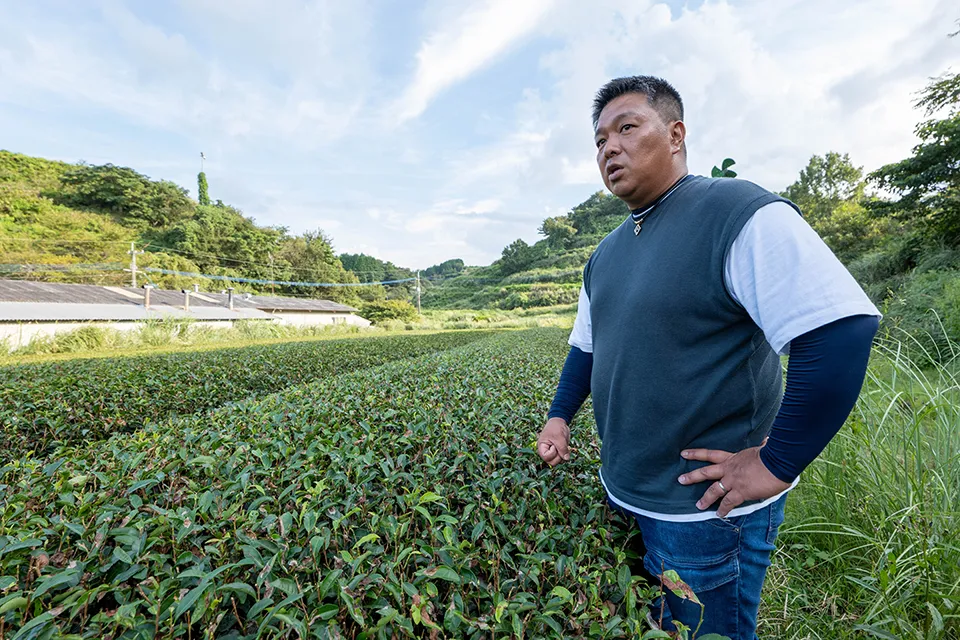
pixel 289 283
pixel 208 255
pixel 162 249
pixel 225 259
pixel 65 271
pixel 27 268
pixel 61 241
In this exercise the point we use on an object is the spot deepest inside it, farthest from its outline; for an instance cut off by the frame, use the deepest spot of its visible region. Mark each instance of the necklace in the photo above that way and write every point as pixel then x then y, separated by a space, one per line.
pixel 639 218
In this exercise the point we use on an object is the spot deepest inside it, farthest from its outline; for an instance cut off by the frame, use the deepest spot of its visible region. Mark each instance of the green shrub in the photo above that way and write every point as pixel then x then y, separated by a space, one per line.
pixel 403 501
pixel 69 401
pixel 378 311
pixel 159 332
pixel 538 295
pixel 545 275
pixel 878 272
pixel 89 338
pixel 925 314
pixel 939 259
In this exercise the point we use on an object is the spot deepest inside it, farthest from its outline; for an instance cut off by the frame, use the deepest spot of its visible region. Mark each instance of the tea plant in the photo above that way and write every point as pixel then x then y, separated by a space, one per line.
pixel 73 401
pixel 400 501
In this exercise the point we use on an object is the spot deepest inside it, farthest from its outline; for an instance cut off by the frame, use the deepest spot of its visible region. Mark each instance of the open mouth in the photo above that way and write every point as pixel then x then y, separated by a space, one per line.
pixel 614 173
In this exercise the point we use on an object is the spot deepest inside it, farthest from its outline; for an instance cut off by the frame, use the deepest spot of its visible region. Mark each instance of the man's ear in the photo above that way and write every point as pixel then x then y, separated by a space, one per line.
pixel 678 135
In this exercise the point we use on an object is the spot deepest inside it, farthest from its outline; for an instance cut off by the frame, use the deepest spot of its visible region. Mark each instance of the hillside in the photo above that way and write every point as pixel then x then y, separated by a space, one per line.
pixel 545 273
pixel 75 223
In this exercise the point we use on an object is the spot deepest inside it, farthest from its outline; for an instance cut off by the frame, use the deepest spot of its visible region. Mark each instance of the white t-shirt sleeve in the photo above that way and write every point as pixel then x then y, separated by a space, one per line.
pixel 788 279
pixel 582 337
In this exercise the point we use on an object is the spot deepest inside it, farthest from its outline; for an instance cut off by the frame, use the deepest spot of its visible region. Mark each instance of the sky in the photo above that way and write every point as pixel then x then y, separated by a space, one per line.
pixel 420 131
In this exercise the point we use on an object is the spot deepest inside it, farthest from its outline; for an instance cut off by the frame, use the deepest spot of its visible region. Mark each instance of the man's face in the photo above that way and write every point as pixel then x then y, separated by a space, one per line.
pixel 635 149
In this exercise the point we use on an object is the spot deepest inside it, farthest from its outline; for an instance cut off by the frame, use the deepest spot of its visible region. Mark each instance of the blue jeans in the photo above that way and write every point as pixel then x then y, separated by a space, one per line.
pixel 723 560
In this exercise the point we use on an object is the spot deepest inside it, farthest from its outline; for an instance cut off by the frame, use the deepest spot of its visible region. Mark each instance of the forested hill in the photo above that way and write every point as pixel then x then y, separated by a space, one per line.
pixel 545 273
pixel 75 223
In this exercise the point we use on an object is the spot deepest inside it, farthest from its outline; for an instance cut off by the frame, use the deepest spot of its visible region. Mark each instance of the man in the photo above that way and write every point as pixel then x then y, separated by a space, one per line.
pixel 683 312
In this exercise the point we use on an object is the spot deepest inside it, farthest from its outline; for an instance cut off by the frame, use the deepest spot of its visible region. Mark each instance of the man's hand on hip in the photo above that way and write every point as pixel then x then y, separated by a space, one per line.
pixel 553 444
pixel 738 477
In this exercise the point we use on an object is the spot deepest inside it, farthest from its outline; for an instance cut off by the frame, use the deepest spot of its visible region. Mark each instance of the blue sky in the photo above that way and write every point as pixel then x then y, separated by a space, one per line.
pixel 423 131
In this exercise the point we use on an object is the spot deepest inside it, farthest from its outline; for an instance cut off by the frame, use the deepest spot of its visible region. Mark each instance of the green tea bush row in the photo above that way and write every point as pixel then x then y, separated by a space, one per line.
pixel 71 401
pixel 402 501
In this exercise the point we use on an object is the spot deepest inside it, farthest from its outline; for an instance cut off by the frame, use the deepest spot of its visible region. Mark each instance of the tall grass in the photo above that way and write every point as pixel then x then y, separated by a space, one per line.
pixel 553 316
pixel 179 332
pixel 871 545
pixel 169 332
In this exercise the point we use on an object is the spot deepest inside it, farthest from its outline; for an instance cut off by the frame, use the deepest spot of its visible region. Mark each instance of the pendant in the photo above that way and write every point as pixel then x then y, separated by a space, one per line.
pixel 636 229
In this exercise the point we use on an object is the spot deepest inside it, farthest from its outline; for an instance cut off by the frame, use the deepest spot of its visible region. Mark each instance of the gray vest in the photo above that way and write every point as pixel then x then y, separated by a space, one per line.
pixel 677 363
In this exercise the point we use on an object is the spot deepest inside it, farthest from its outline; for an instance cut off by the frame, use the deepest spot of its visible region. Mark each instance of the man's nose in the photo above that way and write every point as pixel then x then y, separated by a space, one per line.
pixel 611 148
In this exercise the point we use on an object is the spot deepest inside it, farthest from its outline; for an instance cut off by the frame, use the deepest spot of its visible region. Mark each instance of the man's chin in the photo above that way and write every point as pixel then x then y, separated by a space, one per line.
pixel 621 190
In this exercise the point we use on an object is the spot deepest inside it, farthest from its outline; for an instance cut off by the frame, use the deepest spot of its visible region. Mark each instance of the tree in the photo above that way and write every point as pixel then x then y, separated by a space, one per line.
pixel 366 268
pixel 447 269
pixel 310 258
pixel 850 231
pixel 220 239
pixel 824 184
pixel 724 170
pixel 514 257
pixel 601 213
pixel 928 182
pixel 830 193
pixel 203 197
pixel 559 231
pixel 369 269
pixel 126 194
pixel 518 256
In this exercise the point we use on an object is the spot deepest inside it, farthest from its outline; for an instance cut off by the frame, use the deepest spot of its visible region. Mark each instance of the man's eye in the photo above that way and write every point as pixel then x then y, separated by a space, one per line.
pixel 625 127
pixel 600 143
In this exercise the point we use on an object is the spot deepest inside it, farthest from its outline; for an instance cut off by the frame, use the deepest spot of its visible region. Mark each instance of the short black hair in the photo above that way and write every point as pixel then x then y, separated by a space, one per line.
pixel 660 95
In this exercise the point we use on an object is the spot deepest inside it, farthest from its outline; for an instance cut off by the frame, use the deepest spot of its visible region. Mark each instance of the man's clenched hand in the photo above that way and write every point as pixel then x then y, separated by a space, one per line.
pixel 553 444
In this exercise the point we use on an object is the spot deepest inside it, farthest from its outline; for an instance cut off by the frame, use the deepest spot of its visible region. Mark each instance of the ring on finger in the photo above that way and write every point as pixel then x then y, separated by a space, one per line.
pixel 722 488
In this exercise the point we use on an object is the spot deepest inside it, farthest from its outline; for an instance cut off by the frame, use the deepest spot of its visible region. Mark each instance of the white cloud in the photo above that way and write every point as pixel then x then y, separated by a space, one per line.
pixel 482 33
pixel 490 205
pixel 159 79
pixel 290 100
pixel 767 83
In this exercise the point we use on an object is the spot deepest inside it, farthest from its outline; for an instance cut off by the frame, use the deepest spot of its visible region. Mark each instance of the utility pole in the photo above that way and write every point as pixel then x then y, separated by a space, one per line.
pixel 272 275
pixel 133 262
pixel 418 291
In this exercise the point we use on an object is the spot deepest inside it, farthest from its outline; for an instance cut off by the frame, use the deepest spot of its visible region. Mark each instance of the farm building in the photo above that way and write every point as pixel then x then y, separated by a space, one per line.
pixel 29 309
pixel 297 311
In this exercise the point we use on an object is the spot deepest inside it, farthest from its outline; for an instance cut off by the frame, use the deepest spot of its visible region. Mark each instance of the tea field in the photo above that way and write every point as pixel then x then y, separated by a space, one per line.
pixel 404 499
pixel 398 501
pixel 46 404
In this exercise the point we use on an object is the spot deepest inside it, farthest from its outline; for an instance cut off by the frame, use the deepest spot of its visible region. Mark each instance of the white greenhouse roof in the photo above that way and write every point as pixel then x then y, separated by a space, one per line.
pixel 26 301
pixel 66 311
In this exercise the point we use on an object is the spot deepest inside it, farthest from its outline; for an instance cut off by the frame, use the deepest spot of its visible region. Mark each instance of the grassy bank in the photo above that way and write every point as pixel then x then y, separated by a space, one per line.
pixel 178 335
pixel 870 546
